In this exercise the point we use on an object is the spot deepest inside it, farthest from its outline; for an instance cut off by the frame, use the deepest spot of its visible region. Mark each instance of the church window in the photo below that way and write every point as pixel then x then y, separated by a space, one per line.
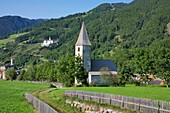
pixel 78 49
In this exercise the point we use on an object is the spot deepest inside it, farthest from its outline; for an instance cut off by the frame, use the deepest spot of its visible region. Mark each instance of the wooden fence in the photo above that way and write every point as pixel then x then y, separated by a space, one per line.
pixel 131 103
pixel 39 105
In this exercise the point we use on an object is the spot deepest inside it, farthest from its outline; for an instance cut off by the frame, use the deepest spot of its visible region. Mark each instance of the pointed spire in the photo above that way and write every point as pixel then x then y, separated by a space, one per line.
pixel 83 38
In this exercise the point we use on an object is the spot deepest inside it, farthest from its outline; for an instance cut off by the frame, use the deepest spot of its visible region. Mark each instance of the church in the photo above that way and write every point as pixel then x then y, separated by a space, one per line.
pixel 93 67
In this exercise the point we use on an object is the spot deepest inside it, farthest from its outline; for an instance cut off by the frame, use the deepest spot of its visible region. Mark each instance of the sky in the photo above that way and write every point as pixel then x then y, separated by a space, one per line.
pixel 46 9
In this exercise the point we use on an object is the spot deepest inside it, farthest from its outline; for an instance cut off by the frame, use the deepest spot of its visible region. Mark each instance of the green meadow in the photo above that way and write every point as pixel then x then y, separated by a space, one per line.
pixel 12 96
pixel 11 38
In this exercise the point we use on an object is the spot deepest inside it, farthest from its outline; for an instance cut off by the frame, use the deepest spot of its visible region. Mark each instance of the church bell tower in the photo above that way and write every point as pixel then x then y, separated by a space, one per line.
pixel 83 48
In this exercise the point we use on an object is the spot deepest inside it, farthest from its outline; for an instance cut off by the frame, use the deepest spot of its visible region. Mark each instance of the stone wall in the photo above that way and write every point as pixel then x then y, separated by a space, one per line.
pixel 90 108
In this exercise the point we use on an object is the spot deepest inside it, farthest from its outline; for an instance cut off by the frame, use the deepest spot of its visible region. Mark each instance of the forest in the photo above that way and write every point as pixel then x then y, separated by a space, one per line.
pixel 11 24
pixel 135 36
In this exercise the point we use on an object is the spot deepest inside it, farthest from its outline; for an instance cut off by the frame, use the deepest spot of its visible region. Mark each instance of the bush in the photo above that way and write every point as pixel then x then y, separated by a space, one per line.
pixel 92 84
pixel 137 83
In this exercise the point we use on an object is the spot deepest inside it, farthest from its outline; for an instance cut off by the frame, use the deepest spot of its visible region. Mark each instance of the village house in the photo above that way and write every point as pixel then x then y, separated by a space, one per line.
pixel 4 68
pixel 2 73
pixel 93 67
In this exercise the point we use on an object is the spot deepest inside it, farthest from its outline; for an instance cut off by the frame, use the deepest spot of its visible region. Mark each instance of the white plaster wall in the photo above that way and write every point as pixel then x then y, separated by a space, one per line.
pixel 4 76
pixel 79 53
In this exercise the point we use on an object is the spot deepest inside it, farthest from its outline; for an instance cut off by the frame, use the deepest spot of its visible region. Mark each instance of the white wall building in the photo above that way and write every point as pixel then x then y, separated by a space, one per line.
pixel 2 73
pixel 46 43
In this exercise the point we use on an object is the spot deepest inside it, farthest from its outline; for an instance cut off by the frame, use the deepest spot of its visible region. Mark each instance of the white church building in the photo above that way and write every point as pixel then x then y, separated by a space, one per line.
pixel 93 67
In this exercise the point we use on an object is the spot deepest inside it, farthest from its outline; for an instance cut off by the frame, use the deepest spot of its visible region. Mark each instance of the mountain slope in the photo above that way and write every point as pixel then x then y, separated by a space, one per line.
pixel 10 24
pixel 140 24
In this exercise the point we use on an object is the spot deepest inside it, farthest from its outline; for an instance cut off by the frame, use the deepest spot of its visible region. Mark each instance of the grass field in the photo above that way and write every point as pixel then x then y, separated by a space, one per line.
pixel 149 92
pixel 12 96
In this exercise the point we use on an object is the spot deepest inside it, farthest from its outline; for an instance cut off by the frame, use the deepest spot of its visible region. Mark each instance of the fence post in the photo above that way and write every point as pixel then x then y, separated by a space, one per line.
pixel 122 103
pixel 77 95
pixel 110 100
pixel 99 99
pixel 71 94
pixel 139 105
pixel 159 106
pixel 83 96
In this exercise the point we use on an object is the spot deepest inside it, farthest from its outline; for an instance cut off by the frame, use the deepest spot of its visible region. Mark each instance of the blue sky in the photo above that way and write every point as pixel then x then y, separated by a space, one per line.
pixel 49 8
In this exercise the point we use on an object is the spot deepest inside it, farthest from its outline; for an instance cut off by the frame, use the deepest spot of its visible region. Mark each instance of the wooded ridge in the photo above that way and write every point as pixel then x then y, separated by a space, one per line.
pixel 135 36
pixel 11 24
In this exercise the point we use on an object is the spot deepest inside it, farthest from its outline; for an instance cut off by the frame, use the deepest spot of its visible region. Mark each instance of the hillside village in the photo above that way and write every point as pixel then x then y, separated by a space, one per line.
pixel 82 49
pixel 132 39
pixel 114 58
pixel 96 69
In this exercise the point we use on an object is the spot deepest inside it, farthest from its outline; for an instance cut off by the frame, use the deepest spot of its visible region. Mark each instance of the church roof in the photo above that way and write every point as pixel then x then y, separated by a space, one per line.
pixel 83 38
pixel 96 65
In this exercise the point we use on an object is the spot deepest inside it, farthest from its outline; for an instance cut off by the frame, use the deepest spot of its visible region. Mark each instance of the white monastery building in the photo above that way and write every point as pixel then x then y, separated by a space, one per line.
pixel 93 67
pixel 46 43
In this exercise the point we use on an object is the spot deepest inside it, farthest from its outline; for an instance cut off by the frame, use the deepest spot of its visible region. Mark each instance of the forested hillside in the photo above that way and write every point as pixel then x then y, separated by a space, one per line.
pixel 11 24
pixel 135 35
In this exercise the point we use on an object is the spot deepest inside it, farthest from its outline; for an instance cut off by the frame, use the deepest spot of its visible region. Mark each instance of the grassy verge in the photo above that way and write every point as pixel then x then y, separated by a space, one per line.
pixel 57 100
pixel 12 96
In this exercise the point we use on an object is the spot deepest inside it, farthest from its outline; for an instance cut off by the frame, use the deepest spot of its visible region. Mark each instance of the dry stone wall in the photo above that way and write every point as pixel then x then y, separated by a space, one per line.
pixel 90 108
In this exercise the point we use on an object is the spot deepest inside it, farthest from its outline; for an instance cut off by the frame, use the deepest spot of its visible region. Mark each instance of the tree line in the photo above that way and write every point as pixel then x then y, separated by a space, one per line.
pixel 65 71
pixel 143 61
